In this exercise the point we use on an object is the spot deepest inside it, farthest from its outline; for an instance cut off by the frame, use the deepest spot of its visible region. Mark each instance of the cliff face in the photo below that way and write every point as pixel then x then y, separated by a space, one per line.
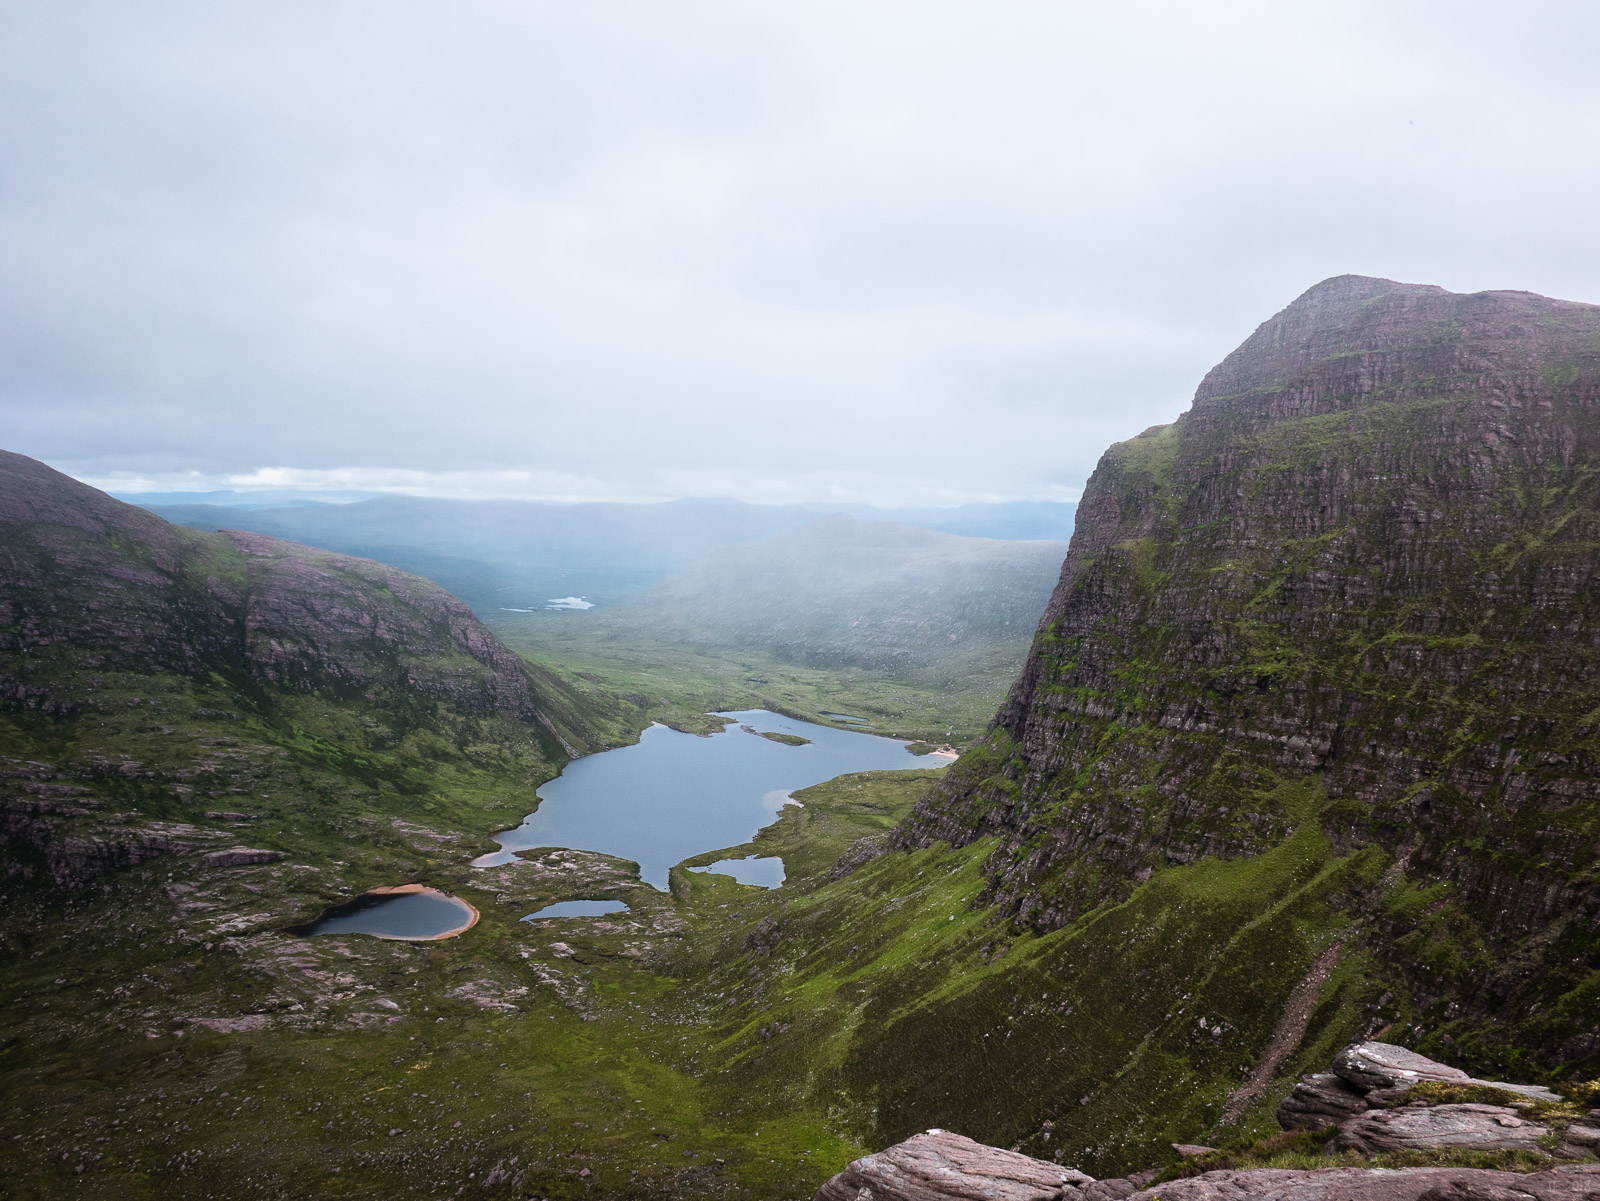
pixel 1353 585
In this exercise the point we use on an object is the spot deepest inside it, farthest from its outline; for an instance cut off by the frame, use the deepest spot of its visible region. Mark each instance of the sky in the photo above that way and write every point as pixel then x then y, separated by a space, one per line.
pixel 894 253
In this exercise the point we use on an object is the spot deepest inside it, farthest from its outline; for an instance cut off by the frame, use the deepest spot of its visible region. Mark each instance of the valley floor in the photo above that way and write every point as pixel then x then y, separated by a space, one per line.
pixel 161 1036
pixel 680 683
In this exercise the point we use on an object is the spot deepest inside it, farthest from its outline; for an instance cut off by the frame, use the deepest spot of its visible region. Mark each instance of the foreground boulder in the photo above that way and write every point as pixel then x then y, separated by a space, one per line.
pixel 1320 1101
pixel 939 1166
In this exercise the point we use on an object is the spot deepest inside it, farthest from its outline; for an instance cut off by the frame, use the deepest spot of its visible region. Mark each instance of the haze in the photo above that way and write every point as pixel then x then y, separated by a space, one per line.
pixel 923 253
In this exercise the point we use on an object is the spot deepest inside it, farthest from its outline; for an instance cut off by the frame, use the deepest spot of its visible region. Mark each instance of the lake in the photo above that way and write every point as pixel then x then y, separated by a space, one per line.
pixel 765 871
pixel 577 909
pixel 409 913
pixel 672 795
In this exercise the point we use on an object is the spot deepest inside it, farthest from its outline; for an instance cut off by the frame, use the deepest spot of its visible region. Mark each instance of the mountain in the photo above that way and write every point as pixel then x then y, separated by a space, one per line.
pixel 518 555
pixel 841 593
pixel 1303 753
pixel 129 642
pixel 1350 596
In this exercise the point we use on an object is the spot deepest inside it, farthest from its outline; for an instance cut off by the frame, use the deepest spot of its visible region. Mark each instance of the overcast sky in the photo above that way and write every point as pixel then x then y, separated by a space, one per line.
pixel 908 253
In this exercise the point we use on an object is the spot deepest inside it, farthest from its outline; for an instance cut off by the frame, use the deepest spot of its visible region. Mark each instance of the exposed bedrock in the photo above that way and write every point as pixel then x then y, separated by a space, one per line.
pixel 1580 1182
pixel 940 1165
pixel 1372 1075
pixel 1475 1127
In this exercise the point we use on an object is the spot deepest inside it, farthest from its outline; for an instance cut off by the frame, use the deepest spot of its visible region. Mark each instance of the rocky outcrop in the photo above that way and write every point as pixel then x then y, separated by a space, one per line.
pixel 1362 565
pixel 239 857
pixel 1320 1101
pixel 1422 1127
pixel 940 1166
pixel 1379 1098
pixel 1582 1139
pixel 1371 1075
pixel 1576 1183
pixel 1371 1103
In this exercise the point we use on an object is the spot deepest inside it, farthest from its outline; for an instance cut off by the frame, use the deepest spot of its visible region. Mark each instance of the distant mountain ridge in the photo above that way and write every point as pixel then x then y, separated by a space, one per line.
pixel 519 554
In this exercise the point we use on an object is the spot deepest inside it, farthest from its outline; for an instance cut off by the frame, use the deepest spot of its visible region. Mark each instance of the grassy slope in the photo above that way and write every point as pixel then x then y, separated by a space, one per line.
pixel 908 1005
pixel 595 1064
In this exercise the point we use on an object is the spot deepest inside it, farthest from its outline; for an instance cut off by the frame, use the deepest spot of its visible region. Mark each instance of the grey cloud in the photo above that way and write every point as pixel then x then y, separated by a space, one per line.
pixel 952 249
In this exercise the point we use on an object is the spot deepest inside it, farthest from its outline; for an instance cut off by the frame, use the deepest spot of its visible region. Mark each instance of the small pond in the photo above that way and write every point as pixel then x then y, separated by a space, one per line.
pixel 672 795
pixel 763 872
pixel 409 912
pixel 577 909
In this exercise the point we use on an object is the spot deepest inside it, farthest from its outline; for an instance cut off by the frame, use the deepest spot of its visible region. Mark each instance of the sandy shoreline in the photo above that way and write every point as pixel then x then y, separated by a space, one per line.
pixel 389 890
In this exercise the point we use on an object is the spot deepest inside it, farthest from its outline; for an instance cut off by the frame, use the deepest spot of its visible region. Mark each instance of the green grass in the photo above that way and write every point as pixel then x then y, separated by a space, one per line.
pixel 678 684
pixel 601 1071
pixel 1306 1149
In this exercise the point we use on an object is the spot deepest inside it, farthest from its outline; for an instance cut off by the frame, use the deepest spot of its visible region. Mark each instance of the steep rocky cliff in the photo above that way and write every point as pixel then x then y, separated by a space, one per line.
pixel 1353 588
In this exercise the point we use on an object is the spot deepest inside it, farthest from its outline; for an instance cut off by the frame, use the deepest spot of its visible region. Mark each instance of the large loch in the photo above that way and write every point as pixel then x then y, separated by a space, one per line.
pixel 672 795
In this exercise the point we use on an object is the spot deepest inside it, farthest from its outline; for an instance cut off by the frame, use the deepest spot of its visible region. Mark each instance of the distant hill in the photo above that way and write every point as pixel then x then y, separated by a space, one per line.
pixel 500 555
pixel 273 499
pixel 843 593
